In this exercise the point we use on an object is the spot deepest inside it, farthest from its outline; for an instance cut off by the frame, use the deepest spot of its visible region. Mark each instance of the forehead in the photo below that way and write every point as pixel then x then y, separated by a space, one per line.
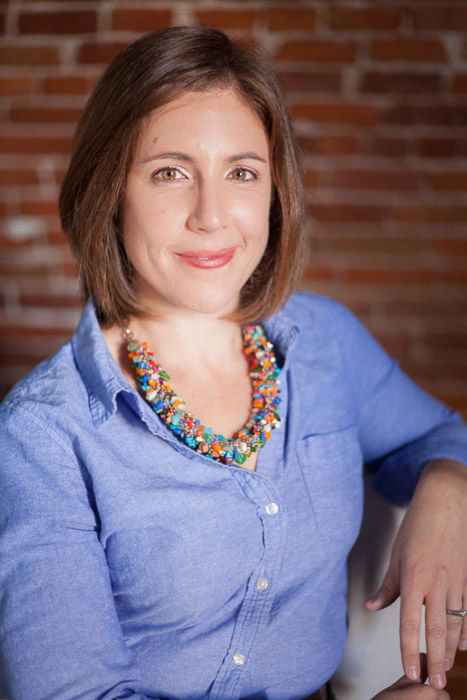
pixel 202 118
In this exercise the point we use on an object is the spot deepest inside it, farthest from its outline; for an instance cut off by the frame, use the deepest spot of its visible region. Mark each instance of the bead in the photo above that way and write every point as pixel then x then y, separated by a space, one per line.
pixel 172 410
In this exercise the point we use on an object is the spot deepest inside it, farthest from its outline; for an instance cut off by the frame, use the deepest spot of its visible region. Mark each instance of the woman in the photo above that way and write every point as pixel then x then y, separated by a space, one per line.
pixel 165 535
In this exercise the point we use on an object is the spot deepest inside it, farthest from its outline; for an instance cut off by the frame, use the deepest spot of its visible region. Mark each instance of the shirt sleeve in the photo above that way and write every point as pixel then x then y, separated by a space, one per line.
pixel 401 426
pixel 59 632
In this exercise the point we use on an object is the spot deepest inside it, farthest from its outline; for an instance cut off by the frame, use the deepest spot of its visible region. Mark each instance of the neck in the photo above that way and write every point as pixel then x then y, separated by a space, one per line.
pixel 205 342
pixel 200 339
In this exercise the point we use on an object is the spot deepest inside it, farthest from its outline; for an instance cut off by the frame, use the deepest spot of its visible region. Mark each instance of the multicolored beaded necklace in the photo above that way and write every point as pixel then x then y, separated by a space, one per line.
pixel 264 417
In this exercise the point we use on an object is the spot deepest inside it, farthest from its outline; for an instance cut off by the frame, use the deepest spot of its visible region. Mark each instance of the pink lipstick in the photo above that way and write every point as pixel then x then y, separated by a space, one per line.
pixel 207 259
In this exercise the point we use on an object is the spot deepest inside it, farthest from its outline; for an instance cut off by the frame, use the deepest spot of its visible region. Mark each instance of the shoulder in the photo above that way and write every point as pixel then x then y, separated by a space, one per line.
pixel 307 310
pixel 50 390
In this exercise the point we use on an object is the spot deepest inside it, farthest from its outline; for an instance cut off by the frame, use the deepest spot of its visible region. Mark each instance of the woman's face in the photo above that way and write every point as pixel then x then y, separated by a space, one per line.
pixel 195 210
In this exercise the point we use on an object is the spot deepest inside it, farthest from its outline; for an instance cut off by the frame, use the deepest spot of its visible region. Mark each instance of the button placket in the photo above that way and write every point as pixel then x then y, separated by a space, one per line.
pixel 255 608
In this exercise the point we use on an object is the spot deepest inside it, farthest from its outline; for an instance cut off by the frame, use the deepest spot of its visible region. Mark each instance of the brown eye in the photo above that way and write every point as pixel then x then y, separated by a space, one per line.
pixel 166 174
pixel 241 174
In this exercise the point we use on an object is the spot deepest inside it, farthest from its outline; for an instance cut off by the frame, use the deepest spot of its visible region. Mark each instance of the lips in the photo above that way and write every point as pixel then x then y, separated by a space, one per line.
pixel 207 259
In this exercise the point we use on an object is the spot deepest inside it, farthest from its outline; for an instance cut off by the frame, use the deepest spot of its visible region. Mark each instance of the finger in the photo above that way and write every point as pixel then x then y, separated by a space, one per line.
pixel 454 627
pixel 410 615
pixel 405 682
pixel 436 631
pixel 463 635
pixel 387 592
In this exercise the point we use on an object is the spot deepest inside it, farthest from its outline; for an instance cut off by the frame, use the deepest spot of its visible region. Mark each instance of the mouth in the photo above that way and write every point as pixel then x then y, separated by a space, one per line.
pixel 208 259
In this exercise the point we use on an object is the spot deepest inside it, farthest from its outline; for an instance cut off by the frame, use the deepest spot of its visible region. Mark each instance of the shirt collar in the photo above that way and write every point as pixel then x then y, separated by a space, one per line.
pixel 99 372
pixel 103 379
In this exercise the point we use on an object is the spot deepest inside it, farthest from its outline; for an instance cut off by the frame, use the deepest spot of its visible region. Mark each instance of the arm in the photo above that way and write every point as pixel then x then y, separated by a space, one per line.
pixel 429 566
pixel 60 635
pixel 414 445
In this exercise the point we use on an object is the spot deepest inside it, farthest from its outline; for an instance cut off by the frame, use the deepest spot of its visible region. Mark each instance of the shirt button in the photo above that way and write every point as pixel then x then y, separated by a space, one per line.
pixel 262 584
pixel 238 659
pixel 272 508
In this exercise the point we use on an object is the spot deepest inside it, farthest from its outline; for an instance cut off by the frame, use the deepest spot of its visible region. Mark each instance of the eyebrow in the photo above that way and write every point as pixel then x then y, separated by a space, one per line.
pixel 176 155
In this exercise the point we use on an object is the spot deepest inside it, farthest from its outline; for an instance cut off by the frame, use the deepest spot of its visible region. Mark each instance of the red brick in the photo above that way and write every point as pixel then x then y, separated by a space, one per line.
pixel 321 51
pixel 42 115
pixel 2 22
pixel 100 52
pixel 346 17
pixel 408 49
pixel 338 113
pixel 395 276
pixel 57 22
pixel 66 85
pixel 19 55
pixel 456 247
pixel 404 83
pixel 438 18
pixel 426 214
pixel 347 213
pixel 449 181
pixel 375 179
pixel 35 144
pixel 436 114
pixel 435 147
pixel 311 82
pixel 370 246
pixel 386 146
pixel 286 18
pixel 62 301
pixel 18 177
pixel 70 269
pixel 329 145
pixel 141 19
pixel 436 308
pixel 459 85
pixel 310 179
pixel 226 19
pixel 16 267
pixel 16 85
pixel 452 276
pixel 39 208
pixel 321 273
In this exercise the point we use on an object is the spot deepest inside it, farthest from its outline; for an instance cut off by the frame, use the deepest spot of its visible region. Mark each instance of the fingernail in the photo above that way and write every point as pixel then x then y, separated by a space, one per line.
pixel 447 663
pixel 438 681
pixel 463 644
pixel 412 673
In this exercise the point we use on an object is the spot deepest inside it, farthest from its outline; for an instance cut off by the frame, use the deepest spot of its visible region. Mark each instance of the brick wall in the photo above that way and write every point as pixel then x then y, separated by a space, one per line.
pixel 378 91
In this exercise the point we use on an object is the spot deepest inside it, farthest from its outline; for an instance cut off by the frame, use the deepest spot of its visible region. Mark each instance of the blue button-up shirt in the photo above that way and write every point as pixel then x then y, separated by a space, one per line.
pixel 133 567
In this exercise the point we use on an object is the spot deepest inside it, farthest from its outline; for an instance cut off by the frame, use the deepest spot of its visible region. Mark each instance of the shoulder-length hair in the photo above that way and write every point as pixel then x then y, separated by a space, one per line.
pixel 147 74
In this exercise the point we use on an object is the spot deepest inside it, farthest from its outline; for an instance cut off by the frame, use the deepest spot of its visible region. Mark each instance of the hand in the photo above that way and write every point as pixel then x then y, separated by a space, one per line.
pixel 406 689
pixel 429 566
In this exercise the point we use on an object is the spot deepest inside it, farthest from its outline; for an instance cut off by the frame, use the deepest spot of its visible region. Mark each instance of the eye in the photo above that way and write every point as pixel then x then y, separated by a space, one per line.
pixel 168 174
pixel 242 174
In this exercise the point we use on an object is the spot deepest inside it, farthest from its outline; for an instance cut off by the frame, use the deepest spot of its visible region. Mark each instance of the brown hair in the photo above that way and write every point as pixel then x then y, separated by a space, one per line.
pixel 149 73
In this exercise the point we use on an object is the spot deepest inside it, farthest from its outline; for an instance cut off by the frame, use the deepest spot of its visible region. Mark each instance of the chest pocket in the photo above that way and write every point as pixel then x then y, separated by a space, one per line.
pixel 331 465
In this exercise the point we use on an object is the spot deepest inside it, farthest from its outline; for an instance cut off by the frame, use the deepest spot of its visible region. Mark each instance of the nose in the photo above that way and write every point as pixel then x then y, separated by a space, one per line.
pixel 208 210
